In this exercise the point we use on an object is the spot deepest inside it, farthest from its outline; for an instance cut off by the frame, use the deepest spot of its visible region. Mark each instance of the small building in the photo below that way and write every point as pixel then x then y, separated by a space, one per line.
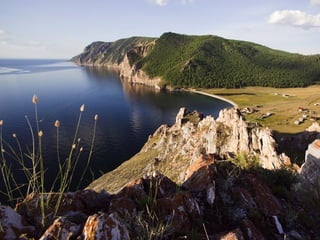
pixel 302 109
pixel 310 170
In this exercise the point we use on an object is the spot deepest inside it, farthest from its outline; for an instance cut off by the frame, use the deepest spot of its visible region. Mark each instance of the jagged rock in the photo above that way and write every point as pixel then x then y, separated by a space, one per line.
pixel 61 229
pixel 264 198
pixel 192 136
pixel 181 210
pixel 122 206
pixel 156 184
pixel 12 225
pixel 228 134
pixel 104 226
pixel 98 54
pixel 79 203
pixel 134 74
pixel 310 169
pixel 200 177
pixel 183 179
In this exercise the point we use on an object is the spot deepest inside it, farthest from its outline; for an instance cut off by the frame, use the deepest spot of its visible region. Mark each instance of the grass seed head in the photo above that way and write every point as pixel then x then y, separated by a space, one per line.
pixel 82 108
pixel 57 123
pixel 35 99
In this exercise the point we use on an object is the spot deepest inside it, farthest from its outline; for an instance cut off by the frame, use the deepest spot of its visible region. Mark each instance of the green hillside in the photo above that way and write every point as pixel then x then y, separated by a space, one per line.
pixel 211 62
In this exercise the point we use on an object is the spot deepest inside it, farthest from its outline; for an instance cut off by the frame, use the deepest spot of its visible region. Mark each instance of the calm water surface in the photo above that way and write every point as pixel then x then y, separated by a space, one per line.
pixel 127 114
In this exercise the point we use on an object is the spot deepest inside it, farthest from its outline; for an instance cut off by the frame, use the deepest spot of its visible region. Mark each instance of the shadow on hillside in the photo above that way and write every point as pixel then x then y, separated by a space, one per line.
pixel 295 145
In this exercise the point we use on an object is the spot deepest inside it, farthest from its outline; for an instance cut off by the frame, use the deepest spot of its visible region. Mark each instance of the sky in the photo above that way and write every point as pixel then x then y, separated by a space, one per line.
pixel 62 28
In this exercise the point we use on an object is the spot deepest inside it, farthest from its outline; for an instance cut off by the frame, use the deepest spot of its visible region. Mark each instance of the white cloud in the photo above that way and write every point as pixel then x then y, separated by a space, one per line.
pixel 159 2
pixel 295 18
pixel 166 2
pixel 187 1
pixel 315 2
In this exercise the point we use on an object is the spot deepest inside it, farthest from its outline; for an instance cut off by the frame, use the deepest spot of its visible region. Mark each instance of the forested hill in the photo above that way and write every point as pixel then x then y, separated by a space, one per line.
pixel 207 61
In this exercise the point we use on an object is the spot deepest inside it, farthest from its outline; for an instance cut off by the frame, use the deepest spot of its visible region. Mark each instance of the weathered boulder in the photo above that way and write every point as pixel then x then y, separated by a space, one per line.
pixel 180 210
pixel 81 204
pixel 12 225
pixel 310 169
pixel 61 229
pixel 102 226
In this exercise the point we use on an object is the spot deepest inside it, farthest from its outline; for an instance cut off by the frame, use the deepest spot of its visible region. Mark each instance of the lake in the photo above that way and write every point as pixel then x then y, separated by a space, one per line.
pixel 128 114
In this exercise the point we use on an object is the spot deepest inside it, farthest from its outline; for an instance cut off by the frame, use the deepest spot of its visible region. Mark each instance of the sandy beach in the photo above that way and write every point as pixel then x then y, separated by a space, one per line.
pixel 214 96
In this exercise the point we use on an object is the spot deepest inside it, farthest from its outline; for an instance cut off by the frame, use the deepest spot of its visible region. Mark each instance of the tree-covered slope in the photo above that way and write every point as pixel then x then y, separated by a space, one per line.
pixel 208 61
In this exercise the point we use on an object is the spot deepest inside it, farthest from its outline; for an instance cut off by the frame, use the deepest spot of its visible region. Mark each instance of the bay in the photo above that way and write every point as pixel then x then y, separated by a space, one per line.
pixel 128 114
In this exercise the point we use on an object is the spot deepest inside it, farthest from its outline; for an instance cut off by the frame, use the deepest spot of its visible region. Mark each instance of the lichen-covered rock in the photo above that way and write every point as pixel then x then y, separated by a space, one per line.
pixel 104 226
pixel 61 229
pixel 194 136
pixel 80 203
pixel 310 169
pixel 180 210
pixel 12 225
pixel 263 197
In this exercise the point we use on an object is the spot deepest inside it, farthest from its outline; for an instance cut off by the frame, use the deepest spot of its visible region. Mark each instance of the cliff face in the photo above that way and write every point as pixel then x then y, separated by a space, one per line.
pixel 181 185
pixel 122 56
pixel 172 150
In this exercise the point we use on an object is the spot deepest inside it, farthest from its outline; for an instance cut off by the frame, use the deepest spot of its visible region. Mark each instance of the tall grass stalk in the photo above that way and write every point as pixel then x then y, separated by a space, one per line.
pixel 91 150
pixel 5 169
pixel 32 164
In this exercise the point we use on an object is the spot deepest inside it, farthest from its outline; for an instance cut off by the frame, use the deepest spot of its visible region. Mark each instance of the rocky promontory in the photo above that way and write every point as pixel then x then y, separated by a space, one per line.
pixel 120 56
pixel 201 178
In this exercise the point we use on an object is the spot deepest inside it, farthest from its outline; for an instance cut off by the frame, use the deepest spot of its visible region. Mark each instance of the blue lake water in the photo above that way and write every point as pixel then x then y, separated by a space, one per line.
pixel 128 114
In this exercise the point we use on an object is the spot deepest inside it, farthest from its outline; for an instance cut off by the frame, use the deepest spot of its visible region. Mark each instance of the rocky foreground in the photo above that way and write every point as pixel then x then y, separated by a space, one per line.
pixel 202 178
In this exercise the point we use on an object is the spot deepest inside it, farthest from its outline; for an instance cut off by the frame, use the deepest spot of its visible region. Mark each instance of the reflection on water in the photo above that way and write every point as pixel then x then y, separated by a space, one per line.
pixel 128 113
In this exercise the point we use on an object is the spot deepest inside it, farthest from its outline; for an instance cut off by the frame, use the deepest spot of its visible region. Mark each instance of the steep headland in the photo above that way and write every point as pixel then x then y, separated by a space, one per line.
pixel 201 178
pixel 201 61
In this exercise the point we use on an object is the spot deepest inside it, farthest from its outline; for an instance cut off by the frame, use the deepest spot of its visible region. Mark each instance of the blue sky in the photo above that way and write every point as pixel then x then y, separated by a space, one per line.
pixel 62 28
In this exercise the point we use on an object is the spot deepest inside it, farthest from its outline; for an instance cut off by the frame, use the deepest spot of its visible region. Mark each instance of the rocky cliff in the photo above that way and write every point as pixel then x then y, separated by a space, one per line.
pixel 172 150
pixel 201 178
pixel 122 56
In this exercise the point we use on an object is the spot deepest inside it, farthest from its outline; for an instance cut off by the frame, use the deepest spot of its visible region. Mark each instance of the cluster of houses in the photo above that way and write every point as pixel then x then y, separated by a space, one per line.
pixel 305 115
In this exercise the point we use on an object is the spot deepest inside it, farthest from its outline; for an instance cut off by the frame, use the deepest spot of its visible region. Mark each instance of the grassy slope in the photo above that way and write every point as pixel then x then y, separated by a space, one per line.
pixel 211 61
pixel 285 109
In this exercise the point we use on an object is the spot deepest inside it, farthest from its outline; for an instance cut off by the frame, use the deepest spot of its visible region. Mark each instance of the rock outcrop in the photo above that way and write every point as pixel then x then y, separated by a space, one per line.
pixel 120 56
pixel 214 202
pixel 182 185
pixel 191 138
pixel 310 169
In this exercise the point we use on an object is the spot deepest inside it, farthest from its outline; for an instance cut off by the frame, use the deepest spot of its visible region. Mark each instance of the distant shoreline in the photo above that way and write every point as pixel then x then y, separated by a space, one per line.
pixel 214 96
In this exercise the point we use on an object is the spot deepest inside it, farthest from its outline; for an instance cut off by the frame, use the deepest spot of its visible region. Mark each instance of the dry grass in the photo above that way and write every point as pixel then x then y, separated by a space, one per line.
pixel 272 100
